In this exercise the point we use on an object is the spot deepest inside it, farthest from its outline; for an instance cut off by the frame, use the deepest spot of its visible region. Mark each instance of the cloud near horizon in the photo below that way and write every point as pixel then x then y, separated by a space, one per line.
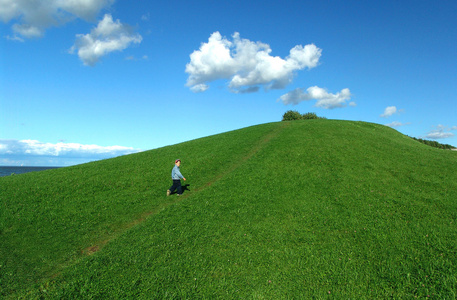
pixel 20 150
pixel 32 18
pixel 245 64
pixel 107 37
pixel 324 99
pixel 441 132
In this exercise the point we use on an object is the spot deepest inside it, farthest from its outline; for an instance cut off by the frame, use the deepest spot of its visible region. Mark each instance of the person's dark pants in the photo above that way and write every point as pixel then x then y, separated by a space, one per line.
pixel 176 185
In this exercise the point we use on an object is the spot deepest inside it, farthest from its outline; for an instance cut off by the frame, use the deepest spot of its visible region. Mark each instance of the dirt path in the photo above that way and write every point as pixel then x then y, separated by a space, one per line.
pixel 173 200
pixel 99 245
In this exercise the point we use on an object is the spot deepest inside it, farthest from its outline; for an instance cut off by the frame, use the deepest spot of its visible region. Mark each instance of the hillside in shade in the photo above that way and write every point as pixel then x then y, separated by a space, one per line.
pixel 286 210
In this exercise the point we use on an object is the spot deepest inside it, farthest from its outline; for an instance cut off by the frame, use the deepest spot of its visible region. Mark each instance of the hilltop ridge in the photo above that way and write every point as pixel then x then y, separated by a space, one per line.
pixel 277 210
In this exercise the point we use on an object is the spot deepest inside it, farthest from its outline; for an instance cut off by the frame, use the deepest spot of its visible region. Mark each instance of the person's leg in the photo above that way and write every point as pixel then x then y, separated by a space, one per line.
pixel 176 184
pixel 179 187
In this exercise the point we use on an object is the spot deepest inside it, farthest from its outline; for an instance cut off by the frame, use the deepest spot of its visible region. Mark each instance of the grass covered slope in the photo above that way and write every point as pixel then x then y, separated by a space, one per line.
pixel 280 210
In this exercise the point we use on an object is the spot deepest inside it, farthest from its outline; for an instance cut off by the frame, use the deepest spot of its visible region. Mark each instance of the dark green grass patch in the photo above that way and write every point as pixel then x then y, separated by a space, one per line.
pixel 319 208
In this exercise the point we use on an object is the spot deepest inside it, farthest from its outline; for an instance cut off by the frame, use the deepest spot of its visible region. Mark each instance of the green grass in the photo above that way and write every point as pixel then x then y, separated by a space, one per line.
pixel 288 210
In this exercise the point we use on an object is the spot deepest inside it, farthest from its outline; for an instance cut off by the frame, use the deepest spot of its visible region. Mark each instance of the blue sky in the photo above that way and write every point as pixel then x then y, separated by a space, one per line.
pixel 84 80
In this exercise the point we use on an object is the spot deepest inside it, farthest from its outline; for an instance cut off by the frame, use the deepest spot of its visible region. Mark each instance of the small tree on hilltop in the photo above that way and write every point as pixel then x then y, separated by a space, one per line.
pixel 310 116
pixel 291 115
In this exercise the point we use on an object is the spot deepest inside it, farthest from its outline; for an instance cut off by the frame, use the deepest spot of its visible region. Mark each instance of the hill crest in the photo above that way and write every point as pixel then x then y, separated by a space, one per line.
pixel 286 202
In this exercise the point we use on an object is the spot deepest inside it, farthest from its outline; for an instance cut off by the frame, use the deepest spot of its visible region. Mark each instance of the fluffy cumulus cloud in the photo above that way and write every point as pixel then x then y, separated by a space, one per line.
pixel 323 98
pixel 245 64
pixel 441 132
pixel 389 111
pixel 107 37
pixel 31 18
pixel 22 150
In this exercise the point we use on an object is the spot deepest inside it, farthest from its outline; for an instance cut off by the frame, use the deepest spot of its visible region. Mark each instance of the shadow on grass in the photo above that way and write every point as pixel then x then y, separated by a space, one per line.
pixel 184 188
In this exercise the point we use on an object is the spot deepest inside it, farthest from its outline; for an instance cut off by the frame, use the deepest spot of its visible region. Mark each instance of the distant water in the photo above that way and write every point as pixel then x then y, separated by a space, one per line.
pixel 6 171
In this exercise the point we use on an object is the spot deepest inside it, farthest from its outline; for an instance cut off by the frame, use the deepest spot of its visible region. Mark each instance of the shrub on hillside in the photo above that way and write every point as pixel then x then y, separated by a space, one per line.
pixel 292 115
pixel 434 144
pixel 309 116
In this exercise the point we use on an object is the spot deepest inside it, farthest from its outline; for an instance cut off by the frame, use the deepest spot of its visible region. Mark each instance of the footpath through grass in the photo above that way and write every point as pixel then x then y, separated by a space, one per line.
pixel 315 208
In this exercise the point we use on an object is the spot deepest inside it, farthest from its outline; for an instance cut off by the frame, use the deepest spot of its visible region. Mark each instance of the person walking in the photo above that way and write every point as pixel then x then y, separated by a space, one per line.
pixel 176 177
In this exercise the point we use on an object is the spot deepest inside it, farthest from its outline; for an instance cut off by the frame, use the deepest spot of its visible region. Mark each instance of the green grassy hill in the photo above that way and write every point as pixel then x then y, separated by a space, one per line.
pixel 316 208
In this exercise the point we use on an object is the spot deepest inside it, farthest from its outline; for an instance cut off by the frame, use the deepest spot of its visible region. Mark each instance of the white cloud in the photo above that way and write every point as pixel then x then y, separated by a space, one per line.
pixel 27 30
pixel 14 38
pixel 32 18
pixel 245 64
pixel 389 111
pixel 441 132
pixel 9 9
pixel 20 150
pixel 324 99
pixel 397 124
pixel 439 135
pixel 86 9
pixel 107 37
